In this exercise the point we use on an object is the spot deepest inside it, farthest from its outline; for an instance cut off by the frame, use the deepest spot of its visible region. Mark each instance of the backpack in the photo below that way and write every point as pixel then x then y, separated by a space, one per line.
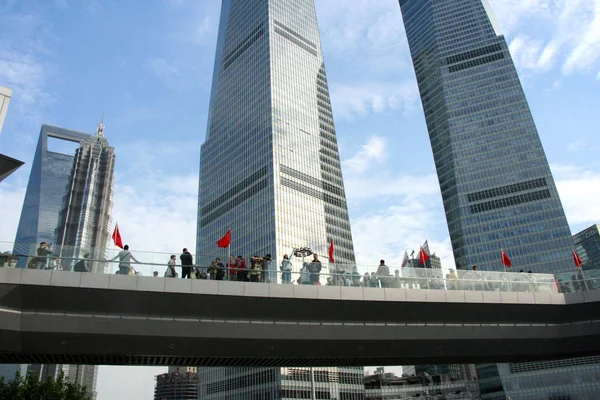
pixel 80 266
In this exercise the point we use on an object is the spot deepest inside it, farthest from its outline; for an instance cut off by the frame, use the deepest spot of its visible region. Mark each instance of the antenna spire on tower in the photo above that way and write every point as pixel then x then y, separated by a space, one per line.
pixel 100 128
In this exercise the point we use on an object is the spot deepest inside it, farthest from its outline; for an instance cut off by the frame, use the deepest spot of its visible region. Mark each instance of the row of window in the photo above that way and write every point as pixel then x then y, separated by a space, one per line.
pixel 504 190
pixel 474 63
pixel 296 34
pixel 234 202
pixel 243 46
pixel 236 189
pixel 474 53
pixel 510 201
pixel 296 41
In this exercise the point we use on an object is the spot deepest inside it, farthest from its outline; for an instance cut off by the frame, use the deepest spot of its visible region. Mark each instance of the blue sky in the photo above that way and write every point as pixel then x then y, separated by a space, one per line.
pixel 149 70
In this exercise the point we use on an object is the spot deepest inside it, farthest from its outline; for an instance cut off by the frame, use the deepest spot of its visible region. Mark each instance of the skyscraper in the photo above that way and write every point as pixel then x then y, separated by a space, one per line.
pixel 496 184
pixel 48 182
pixel 270 169
pixel 68 203
pixel 85 220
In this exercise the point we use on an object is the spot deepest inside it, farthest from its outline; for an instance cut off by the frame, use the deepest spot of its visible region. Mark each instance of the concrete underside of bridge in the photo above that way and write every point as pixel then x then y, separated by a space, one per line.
pixel 57 323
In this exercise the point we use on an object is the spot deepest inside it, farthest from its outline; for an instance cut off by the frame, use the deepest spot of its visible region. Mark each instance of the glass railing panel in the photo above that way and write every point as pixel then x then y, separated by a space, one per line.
pixel 303 272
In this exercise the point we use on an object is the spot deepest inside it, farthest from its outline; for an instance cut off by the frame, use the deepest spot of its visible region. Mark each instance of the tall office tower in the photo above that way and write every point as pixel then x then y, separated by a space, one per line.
pixel 496 184
pixel 85 219
pixel 7 164
pixel 68 203
pixel 48 182
pixel 242 383
pixel 270 169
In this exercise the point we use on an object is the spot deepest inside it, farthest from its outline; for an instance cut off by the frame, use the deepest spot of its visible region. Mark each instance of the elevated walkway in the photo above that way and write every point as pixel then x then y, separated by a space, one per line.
pixel 84 318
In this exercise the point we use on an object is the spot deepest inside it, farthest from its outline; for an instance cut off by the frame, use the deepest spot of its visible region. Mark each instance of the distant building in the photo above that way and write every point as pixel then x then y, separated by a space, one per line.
pixel 587 244
pixel 85 219
pixel 49 180
pixel 176 386
pixel 439 387
pixel 7 164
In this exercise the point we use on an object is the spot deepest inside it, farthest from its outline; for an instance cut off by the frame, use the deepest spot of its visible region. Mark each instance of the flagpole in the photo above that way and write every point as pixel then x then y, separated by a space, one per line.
pixel 508 285
pixel 229 253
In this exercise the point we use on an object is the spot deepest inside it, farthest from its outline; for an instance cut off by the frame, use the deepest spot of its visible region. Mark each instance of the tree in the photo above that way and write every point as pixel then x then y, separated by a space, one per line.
pixel 30 388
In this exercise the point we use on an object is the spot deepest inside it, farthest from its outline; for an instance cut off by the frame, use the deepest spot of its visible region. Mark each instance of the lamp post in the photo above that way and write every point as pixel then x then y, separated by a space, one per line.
pixel 305 252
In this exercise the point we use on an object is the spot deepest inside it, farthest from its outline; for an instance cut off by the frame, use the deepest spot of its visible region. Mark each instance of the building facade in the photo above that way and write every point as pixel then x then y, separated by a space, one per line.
pixel 570 379
pixel 270 168
pixel 496 184
pixel 176 385
pixel 7 164
pixel 587 245
pixel 5 95
pixel 241 383
pixel 388 386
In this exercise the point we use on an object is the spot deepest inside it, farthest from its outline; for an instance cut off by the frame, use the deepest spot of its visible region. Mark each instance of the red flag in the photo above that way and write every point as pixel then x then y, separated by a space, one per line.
pixel 225 241
pixel 505 260
pixel 331 259
pixel 116 237
pixel 423 257
pixel 577 259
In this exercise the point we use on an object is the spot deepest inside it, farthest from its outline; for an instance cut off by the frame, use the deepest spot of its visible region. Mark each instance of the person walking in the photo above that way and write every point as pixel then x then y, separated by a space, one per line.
pixel 187 262
pixel 233 270
pixel 286 270
pixel 383 272
pixel 242 269
pixel 171 272
pixel 314 268
pixel 125 258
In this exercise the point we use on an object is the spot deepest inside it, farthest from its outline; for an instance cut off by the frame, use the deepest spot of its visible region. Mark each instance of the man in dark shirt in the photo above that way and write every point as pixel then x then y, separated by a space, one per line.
pixel 314 268
pixel 187 261
pixel 220 269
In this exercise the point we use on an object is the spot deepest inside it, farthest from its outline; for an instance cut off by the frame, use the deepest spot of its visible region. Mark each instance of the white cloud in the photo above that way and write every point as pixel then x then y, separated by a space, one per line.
pixel 25 41
pixel 563 34
pixel 579 189
pixel 373 152
pixel 358 100
pixel 161 69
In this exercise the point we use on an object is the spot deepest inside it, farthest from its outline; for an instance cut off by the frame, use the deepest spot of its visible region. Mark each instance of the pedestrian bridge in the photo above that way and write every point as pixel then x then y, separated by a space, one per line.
pixel 85 318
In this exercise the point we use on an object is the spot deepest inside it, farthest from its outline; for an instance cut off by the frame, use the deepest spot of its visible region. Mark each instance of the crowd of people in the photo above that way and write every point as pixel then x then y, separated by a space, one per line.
pixel 265 269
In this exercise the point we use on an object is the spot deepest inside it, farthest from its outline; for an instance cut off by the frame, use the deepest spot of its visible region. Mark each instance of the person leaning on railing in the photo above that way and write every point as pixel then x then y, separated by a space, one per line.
pixel 125 258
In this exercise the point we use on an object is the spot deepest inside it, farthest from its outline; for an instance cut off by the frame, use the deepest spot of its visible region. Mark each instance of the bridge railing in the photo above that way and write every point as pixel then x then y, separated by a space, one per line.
pixel 303 272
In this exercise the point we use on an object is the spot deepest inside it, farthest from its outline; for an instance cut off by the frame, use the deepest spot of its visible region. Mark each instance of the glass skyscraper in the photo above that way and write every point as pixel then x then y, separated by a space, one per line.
pixel 270 169
pixel 44 199
pixel 496 184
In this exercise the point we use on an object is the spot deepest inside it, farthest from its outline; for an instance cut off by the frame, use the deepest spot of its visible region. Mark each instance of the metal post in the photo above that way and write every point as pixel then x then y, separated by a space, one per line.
pixel 312 384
